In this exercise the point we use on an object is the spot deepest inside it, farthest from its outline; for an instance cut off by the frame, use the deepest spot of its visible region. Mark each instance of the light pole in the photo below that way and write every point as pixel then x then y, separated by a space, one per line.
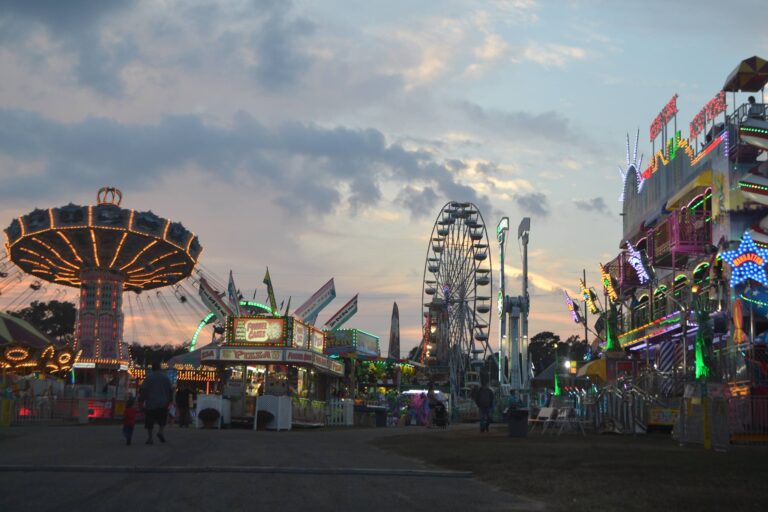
pixel 501 236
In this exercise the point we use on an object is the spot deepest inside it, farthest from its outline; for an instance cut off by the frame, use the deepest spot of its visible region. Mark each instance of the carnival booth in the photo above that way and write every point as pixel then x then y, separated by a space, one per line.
pixel 373 381
pixel 274 357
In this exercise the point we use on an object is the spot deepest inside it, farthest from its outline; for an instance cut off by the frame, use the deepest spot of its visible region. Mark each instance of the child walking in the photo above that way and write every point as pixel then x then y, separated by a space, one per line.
pixel 129 420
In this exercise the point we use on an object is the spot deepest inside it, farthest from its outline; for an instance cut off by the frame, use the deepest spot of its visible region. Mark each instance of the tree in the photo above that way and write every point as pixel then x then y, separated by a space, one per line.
pixel 55 319
pixel 147 354
pixel 541 350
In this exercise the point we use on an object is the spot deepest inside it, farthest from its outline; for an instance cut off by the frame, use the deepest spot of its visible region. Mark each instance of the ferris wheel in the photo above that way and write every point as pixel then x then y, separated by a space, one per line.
pixel 456 294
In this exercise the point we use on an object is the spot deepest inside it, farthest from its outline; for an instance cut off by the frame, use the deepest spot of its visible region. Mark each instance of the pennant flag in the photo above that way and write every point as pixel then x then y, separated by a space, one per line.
pixel 213 300
pixel 233 295
pixel 270 292
pixel 287 306
pixel 394 334
pixel 309 310
pixel 346 312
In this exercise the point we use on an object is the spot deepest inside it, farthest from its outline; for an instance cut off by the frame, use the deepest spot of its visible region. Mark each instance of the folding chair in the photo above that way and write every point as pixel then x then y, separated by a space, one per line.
pixel 568 417
pixel 541 418
pixel 553 418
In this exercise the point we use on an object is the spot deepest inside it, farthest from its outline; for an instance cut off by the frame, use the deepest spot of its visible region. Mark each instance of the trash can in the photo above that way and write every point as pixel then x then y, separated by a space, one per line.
pixel 517 422
pixel 381 417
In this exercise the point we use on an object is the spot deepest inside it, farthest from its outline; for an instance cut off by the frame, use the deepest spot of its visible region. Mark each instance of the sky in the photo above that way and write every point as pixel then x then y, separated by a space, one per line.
pixel 322 138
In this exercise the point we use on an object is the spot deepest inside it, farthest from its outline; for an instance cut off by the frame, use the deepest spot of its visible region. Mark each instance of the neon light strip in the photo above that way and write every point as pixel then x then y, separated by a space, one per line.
pixel 146 247
pixel 657 321
pixel 754 130
pixel 54 251
pixel 71 247
pixel 722 138
pixel 51 263
pixel 117 251
pixel 95 249
pixel 754 301
pixel 203 323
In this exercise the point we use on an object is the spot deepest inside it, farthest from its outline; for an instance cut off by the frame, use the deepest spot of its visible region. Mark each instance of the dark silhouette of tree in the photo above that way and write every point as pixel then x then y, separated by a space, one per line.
pixel 147 354
pixel 54 318
pixel 541 350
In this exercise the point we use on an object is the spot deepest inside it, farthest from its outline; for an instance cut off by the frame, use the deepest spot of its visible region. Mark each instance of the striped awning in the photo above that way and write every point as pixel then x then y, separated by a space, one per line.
pixel 750 75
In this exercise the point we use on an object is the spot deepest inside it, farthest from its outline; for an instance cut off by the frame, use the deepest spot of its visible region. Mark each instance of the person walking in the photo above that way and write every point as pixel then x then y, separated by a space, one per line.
pixel 156 393
pixel 129 420
pixel 484 401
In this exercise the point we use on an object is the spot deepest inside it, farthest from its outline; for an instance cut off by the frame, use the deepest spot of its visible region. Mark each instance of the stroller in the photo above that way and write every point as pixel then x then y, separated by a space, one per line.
pixel 440 415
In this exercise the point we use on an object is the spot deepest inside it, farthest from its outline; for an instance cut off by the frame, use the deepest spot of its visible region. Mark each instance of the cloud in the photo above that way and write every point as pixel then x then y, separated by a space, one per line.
pixel 280 60
pixel 534 203
pixel 421 203
pixel 544 126
pixel 596 205
pixel 553 55
pixel 310 169
pixel 77 25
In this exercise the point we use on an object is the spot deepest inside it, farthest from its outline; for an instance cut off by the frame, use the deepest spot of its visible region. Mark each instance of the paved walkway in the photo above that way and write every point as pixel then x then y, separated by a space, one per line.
pixel 89 468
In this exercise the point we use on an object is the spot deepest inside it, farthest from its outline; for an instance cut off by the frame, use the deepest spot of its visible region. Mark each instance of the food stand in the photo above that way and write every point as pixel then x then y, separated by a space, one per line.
pixel 274 356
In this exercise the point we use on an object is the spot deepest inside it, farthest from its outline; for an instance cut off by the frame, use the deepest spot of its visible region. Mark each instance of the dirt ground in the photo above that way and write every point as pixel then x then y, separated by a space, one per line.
pixel 599 472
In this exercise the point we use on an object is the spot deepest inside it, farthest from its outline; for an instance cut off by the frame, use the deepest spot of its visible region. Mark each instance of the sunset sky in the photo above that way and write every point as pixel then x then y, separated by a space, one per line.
pixel 321 138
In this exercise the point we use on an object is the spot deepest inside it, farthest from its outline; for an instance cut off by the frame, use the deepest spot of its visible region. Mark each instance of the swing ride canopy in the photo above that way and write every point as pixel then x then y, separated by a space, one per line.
pixel 61 244
pixel 102 250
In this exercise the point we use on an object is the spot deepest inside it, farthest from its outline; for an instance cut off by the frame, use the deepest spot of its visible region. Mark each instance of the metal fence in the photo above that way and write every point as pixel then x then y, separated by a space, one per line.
pixel 748 419
pixel 43 410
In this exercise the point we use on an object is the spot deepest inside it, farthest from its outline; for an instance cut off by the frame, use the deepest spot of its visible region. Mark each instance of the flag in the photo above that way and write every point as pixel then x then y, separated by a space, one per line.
pixel 394 334
pixel 213 300
pixel 309 310
pixel 271 292
pixel 233 295
pixel 346 312
pixel 287 307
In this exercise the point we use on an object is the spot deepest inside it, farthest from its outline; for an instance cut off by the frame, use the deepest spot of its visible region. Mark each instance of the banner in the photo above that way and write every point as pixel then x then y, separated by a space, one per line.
pixel 346 312
pixel 232 295
pixel 321 298
pixel 212 299
pixel 270 292
pixel 394 334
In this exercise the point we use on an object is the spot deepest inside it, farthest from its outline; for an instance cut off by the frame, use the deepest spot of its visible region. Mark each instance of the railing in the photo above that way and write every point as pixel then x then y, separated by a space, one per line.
pixel 748 111
pixel 42 410
pixel 339 412
pixel 748 419
pixel 619 410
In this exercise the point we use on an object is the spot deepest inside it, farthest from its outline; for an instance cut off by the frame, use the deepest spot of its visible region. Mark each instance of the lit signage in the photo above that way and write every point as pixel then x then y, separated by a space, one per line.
pixel 635 259
pixel 608 284
pixel 572 308
pixel 666 114
pixel 317 340
pixel 713 107
pixel 747 262
pixel 265 331
pixel 300 336
pixel 588 296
